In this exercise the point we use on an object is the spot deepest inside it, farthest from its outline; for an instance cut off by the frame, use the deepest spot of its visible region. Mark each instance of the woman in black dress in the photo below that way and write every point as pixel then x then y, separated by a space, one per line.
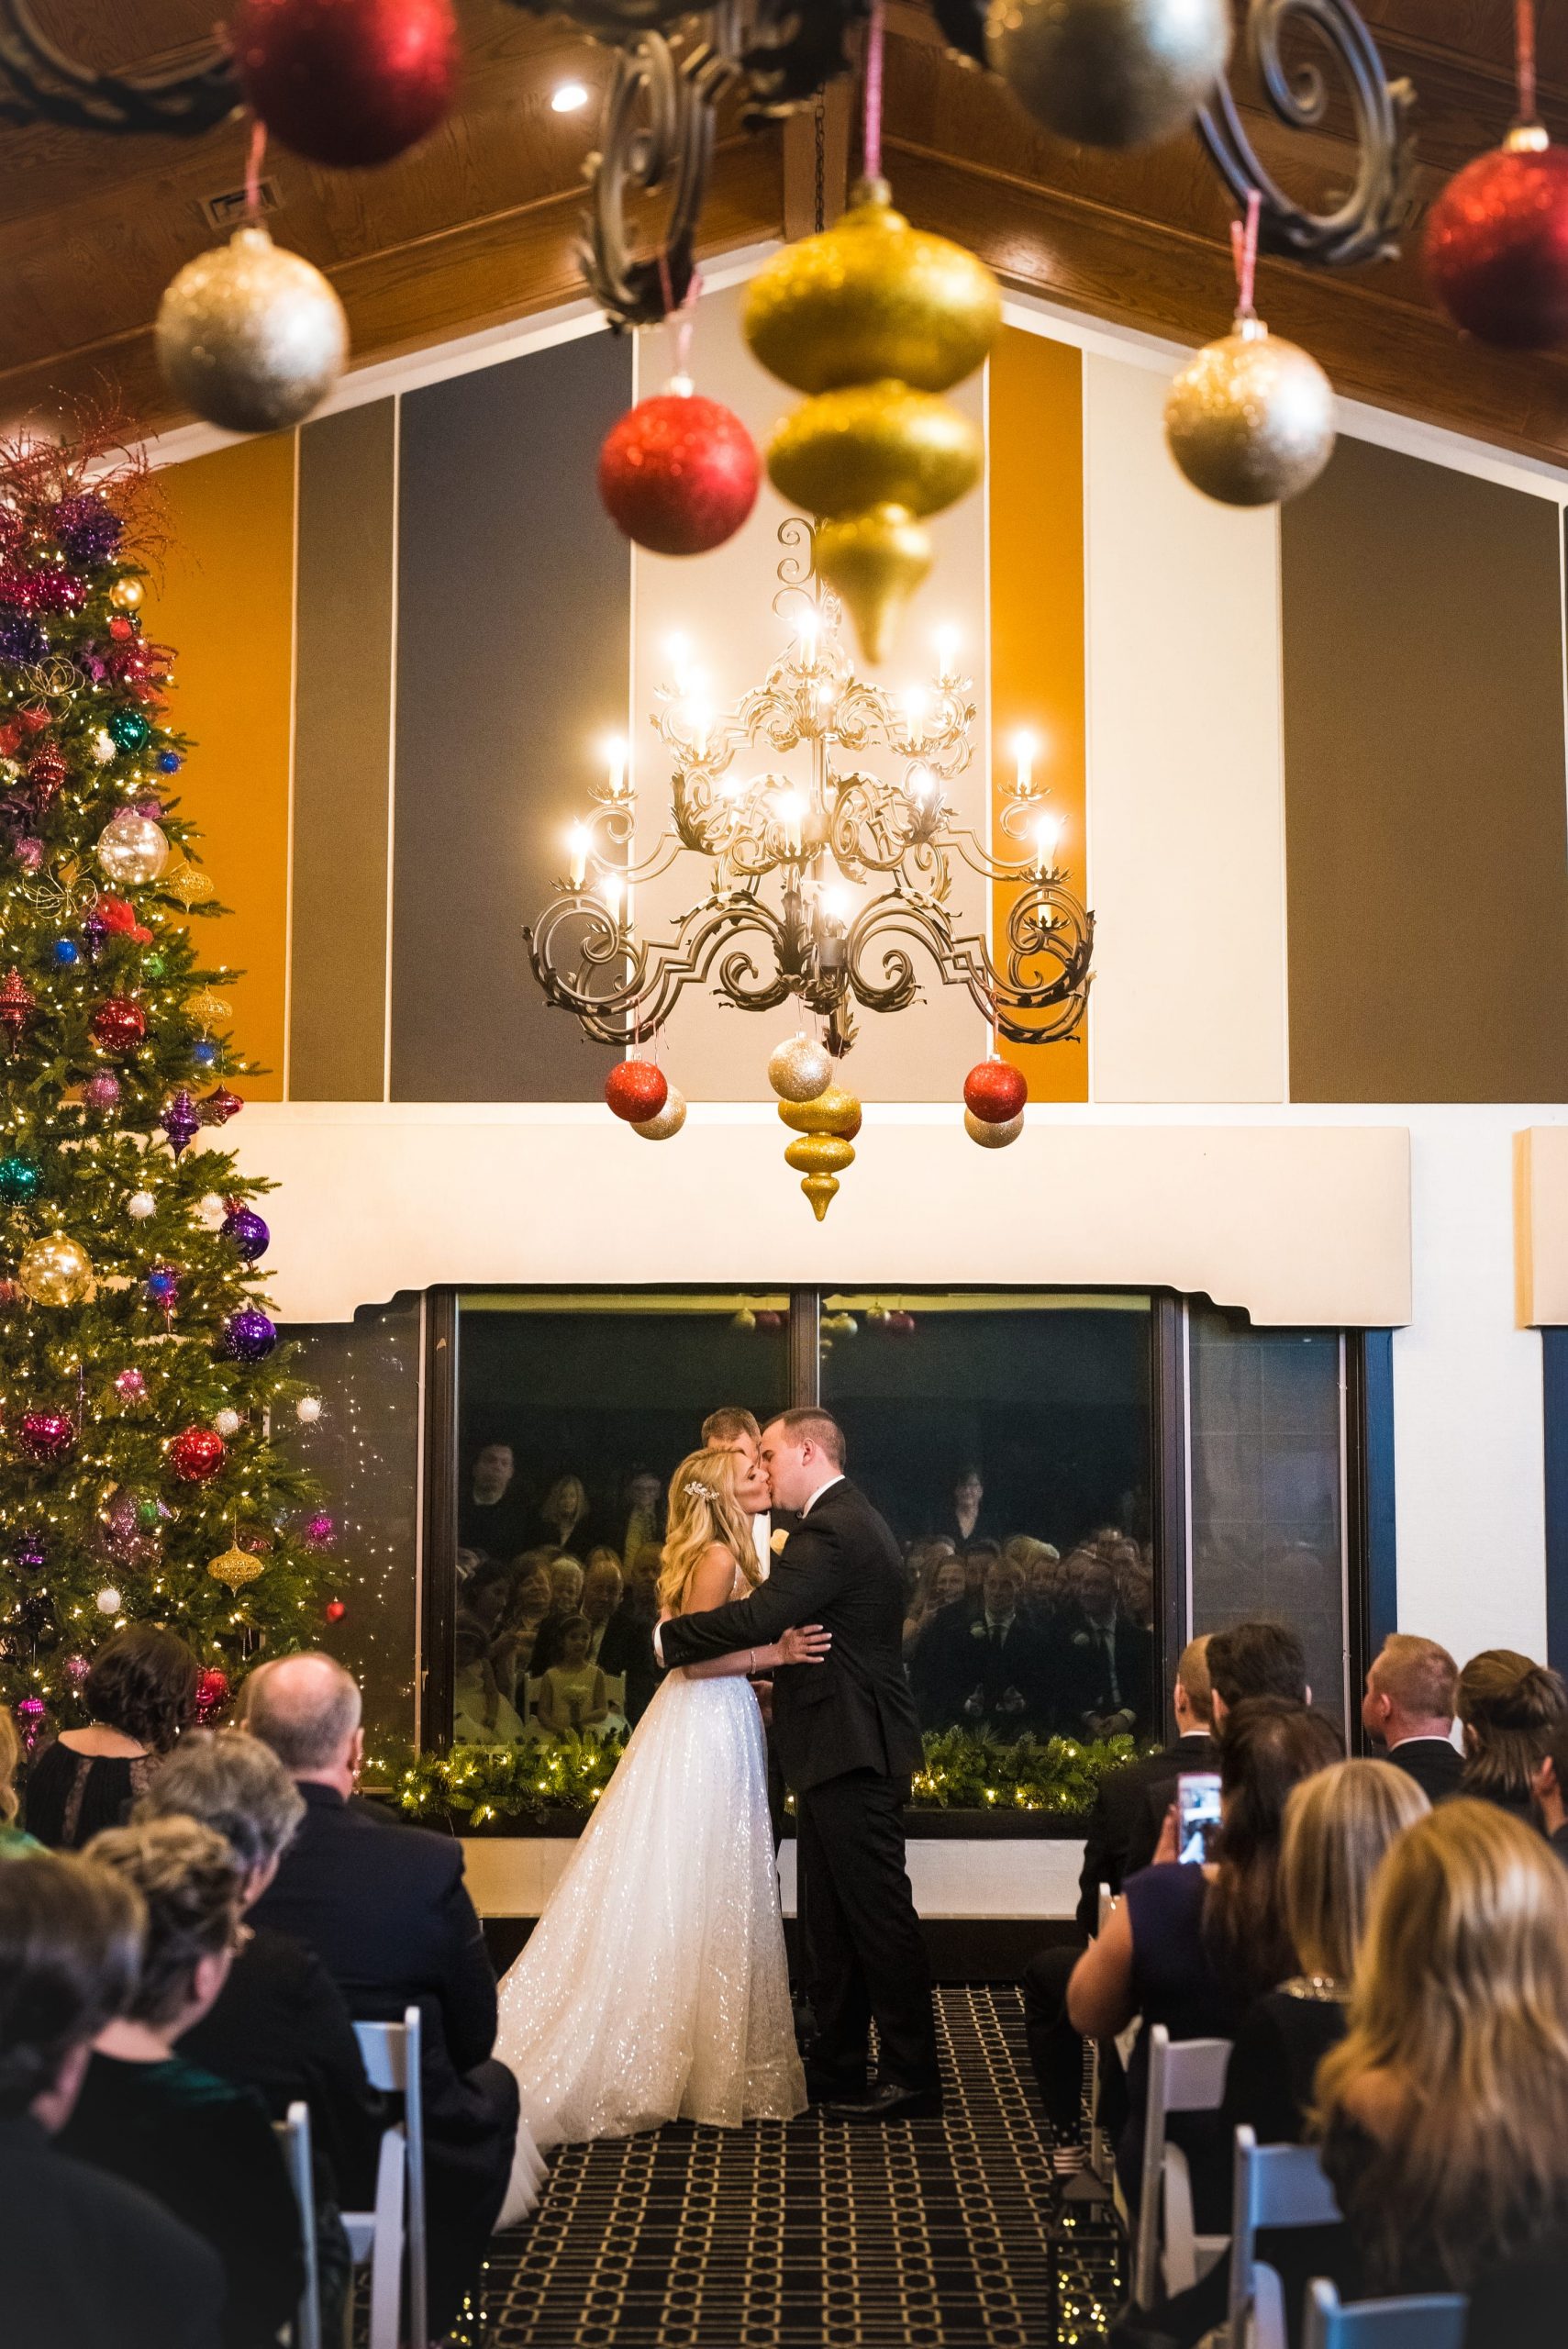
pixel 140 1693
pixel 1508 1707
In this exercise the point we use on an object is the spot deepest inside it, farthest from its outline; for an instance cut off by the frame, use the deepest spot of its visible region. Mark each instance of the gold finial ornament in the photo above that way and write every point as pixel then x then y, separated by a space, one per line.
pixel 875 561
pixel 828 1126
pixel 235 1567
pixel 190 885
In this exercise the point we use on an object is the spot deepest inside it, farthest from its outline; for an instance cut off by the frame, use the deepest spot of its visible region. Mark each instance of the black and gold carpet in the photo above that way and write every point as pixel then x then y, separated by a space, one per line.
pixel 933 2234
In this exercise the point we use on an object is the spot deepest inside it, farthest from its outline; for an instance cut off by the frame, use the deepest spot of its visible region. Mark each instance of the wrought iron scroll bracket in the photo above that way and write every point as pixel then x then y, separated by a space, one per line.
pixel 39 83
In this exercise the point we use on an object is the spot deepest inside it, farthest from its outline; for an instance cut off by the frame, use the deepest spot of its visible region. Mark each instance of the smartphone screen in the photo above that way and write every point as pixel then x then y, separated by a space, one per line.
pixel 1197 1814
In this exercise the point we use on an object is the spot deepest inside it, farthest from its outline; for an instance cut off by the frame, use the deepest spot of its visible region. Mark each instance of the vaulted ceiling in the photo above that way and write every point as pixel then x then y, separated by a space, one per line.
pixel 479 225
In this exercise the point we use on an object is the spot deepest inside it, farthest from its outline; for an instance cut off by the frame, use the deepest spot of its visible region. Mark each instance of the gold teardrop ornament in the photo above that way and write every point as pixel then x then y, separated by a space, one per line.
pixel 875 561
pixel 235 1567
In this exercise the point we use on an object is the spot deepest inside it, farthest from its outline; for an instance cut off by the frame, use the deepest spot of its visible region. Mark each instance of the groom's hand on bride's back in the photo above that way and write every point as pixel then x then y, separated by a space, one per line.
pixel 806 1643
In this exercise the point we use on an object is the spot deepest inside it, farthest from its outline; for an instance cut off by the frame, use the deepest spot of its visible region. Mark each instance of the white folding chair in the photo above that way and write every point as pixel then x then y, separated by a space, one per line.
pixel 391 2052
pixel 1276 2185
pixel 294 2142
pixel 1184 2076
pixel 1434 2320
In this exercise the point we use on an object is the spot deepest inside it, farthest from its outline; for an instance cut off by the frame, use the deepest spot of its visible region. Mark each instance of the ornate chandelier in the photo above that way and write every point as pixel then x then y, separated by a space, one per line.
pixel 792 851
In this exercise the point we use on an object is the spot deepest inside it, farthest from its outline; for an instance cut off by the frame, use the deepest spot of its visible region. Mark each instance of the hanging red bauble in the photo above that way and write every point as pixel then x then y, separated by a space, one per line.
pixel 635 1090
pixel 47 1436
pixel 46 772
pixel 1497 244
pixel 994 1091
pixel 195 1455
pixel 347 81
pixel 215 1109
pixel 336 1610
pixel 212 1695
pixel 118 1024
pixel 17 1003
pixel 679 473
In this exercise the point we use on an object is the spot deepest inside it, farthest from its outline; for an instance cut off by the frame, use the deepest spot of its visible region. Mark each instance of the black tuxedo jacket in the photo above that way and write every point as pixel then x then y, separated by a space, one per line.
pixel 1436 1767
pixel 1129 1810
pixel 1086 1685
pixel 841 1568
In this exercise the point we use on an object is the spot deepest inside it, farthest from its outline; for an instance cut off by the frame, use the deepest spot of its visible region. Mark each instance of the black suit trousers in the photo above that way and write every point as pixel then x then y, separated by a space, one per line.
pixel 864 1952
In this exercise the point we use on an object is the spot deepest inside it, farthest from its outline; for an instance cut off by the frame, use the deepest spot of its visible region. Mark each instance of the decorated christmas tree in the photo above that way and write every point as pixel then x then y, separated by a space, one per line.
pixel 145 1401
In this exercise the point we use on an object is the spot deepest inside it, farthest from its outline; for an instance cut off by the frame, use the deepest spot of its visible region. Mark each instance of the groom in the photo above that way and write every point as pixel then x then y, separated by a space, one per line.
pixel 849 1741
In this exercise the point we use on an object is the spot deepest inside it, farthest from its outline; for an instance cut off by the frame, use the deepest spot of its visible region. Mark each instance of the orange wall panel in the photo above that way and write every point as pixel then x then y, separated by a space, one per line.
pixel 1036 489
pixel 226 605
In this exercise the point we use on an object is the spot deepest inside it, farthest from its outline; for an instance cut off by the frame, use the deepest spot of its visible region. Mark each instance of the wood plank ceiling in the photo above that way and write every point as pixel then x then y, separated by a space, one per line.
pixel 478 225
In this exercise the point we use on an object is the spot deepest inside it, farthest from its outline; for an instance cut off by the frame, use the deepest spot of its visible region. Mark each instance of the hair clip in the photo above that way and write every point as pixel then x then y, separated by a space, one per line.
pixel 703 1492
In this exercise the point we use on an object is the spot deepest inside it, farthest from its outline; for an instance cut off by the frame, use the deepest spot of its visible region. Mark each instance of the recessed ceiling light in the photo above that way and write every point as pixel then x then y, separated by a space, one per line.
pixel 568 98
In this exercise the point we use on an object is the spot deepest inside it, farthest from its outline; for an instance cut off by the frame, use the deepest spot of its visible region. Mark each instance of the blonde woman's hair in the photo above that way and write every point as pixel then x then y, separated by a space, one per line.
pixel 10 1755
pixel 704 1510
pixel 1338 1825
pixel 1461 1997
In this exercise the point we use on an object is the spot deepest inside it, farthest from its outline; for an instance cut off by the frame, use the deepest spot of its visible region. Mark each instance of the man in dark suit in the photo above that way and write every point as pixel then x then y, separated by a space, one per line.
pixel 385 1908
pixel 849 1741
pixel 1408 1708
pixel 988 1671
pixel 1106 1659
pixel 1123 1828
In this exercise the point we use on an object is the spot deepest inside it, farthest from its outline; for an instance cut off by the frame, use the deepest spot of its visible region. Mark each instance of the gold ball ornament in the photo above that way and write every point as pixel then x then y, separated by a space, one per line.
pixel 800 1069
pixel 234 1568
pixel 992 1137
pixel 1109 72
pixel 669 1121
pixel 191 886
pixel 252 337
pixel 1249 419
pixel 132 850
pixel 874 562
pixel 55 1270
pixel 869 298
pixel 875 444
pixel 125 595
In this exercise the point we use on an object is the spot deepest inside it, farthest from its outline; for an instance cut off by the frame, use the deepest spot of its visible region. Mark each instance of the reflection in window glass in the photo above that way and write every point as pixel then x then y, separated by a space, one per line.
pixel 1005 1440
pixel 573 1414
pixel 1267 1523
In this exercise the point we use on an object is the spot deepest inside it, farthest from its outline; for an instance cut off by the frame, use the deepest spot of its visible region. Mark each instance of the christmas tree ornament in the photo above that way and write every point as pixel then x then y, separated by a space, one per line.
pixel 118 1024
pixel 47 1437
pixel 94 929
pixel 18 1004
pixel 140 1204
pixel 636 1091
pixel 125 595
pixel 212 1695
pixel 319 1531
pixel 195 1455
pixel 55 1270
pixel 993 1133
pixel 209 1010
pixel 1249 419
pixel 203 1051
pixel 828 1126
pixel 234 1568
pixel 995 1092
pixel 800 1069
pixel 179 1122
pixel 46 772
pixel 307 1411
pixel 248 1335
pixel 87 529
pixel 347 83
pixel 20 1179
pixel 29 1713
pixel 1109 72
pixel 191 886
pixel 132 851
pixel 67 953
pixel 743 1319
pixel 668 1121
pixel 163 1288
pixel 226 1424
pixel 248 1234
pixel 101 1091
pixel 31 1555
pixel 130 1387
pixel 77 1667
pixel 335 1610
pixel 27 852
pixel 212 1212
pixel 252 337
pixel 218 1106
pixel 168 762
pixel 129 729
pixel 103 746
pixel 108 1601
pixel 679 474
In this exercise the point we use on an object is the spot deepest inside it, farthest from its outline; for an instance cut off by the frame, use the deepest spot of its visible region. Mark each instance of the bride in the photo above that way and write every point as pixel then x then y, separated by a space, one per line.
pixel 654 1987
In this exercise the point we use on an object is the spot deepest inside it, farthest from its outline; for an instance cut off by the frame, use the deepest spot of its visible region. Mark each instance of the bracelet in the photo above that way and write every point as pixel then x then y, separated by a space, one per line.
pixel 751 1667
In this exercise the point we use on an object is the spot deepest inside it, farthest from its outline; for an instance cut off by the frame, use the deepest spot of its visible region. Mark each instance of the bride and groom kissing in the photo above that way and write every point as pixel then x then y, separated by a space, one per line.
pixel 655 1985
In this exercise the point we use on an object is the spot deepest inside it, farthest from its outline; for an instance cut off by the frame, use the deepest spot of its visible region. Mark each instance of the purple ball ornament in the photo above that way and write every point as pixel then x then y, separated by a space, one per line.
pixel 319 1531
pixel 94 929
pixel 179 1122
pixel 245 1227
pixel 248 1335
pixel 130 1387
pixel 31 1555
pixel 102 1091
pixel 27 852
pixel 77 1667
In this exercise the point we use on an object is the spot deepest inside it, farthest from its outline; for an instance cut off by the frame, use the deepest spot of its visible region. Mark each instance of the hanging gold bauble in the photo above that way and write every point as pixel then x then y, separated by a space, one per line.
pixel 874 562
pixel 875 444
pixel 252 337
pixel 1249 419
pixel 208 1009
pixel 668 1121
pixel 993 1137
pixel 1109 72
pixel 190 886
pixel 235 1567
pixel 828 1126
pixel 125 595
pixel 871 297
pixel 799 1069
pixel 55 1270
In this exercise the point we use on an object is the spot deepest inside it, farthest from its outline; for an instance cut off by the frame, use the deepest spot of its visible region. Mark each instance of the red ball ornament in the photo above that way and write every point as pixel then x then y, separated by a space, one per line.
pixel 336 1610
pixel 18 1004
pixel 994 1092
pixel 212 1694
pixel 47 1436
pixel 118 1024
pixel 1497 244
pixel 347 81
pixel 635 1090
pixel 679 474
pixel 195 1455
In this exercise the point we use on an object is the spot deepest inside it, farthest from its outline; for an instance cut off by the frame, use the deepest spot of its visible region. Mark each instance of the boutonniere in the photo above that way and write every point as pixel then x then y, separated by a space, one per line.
pixel 777 1543
pixel 1080 1638
pixel 977 1628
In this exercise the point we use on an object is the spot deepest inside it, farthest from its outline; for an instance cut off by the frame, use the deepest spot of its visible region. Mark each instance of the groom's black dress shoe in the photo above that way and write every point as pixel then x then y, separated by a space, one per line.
pixel 889 2102
pixel 823 2087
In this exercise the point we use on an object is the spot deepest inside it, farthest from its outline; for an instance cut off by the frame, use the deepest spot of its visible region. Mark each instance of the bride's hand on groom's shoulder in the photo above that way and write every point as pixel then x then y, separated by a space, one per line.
pixel 808 1643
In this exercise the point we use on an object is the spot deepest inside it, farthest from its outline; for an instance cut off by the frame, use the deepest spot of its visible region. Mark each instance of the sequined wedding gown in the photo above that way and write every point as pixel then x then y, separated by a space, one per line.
pixel 654 1987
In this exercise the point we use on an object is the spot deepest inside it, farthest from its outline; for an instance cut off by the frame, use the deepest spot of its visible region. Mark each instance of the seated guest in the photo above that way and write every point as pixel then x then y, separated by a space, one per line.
pixel 979 1667
pixel 482 1715
pixel 140 1694
pixel 1442 2107
pixel 1549 1787
pixel 644 1506
pixel 977 1558
pixel 566 1593
pixel 628 1649
pixel 511 1648
pixel 565 1509
pixel 87 2262
pixel 1127 1803
pixel 1509 1708
pixel 1191 1946
pixel 279 2023
pixel 1408 1708
pixel 1108 1658
pixel 13 1839
pixel 385 1908
pixel 573 1700
pixel 602 1585
pixel 1257 1658
pixel 922 1560
pixel 202 2147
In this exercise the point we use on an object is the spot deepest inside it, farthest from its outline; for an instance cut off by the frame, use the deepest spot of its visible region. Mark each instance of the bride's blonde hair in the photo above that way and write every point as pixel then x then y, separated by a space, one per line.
pixel 704 1509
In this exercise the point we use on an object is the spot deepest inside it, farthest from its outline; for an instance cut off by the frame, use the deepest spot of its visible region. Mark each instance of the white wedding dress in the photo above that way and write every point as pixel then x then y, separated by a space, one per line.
pixel 654 1987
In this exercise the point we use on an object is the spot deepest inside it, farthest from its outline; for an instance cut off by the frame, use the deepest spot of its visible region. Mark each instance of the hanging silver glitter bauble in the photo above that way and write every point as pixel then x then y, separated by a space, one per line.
pixel 992 1137
pixel 1109 72
pixel 669 1120
pixel 800 1069
pixel 1249 419
pixel 252 337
